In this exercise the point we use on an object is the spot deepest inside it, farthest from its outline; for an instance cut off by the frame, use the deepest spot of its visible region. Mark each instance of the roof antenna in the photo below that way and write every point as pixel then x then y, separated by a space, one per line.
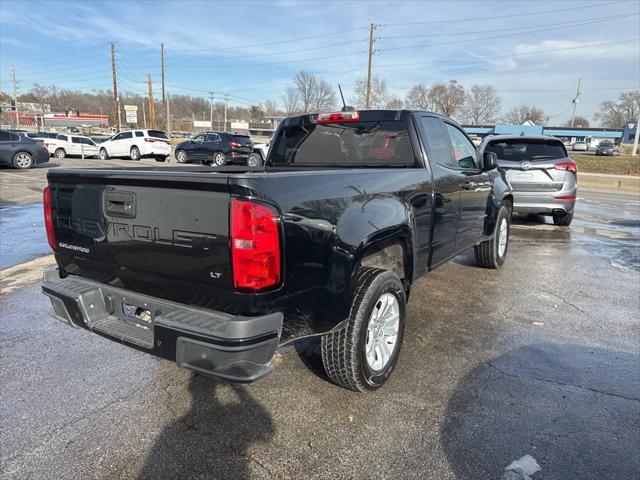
pixel 345 107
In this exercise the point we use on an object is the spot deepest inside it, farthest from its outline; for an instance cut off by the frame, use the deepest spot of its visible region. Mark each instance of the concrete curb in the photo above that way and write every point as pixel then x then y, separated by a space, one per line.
pixel 599 181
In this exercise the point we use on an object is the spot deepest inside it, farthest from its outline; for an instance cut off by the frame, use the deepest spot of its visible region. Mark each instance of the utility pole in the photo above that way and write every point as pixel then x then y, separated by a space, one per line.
pixel 634 150
pixel 15 99
pixel 115 86
pixel 226 99
pixel 165 100
pixel 211 109
pixel 168 115
pixel 152 111
pixel 368 101
pixel 575 102
pixel 144 115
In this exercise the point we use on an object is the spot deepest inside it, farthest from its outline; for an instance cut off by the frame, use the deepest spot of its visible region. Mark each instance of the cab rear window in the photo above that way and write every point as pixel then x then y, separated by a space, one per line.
pixel 365 143
pixel 520 150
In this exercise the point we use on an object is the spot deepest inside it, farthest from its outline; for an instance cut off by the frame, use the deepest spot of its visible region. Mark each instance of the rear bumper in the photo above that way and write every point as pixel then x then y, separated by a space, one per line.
pixel 545 203
pixel 232 348
pixel 41 156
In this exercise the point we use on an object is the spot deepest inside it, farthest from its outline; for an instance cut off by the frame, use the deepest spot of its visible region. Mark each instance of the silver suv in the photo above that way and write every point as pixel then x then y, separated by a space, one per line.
pixel 543 177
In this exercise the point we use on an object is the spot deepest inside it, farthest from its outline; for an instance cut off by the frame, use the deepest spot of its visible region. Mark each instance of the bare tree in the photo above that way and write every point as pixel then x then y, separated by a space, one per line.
pixel 379 94
pixel 325 96
pixel 394 103
pixel 481 104
pixel 270 107
pixel 578 121
pixel 524 113
pixel 418 97
pixel 447 99
pixel 291 100
pixel 307 85
pixel 617 114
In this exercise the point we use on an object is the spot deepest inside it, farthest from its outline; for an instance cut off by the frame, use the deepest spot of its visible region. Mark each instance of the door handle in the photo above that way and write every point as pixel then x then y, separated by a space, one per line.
pixel 120 204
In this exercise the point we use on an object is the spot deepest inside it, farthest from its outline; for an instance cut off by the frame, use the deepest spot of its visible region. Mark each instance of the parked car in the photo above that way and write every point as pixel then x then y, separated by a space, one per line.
pixel 215 269
pixel 543 177
pixel 218 148
pixel 20 151
pixel 262 149
pixel 41 135
pixel 580 146
pixel 606 148
pixel 136 144
pixel 65 145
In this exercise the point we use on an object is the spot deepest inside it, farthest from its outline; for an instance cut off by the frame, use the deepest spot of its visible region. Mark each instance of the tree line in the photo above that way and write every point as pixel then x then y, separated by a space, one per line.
pixel 476 105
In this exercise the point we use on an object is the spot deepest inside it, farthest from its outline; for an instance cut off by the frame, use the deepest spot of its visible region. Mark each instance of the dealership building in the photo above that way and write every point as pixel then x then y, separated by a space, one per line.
pixel 592 136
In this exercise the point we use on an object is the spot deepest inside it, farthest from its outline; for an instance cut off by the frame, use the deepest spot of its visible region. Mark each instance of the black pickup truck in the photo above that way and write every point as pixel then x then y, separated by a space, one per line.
pixel 216 268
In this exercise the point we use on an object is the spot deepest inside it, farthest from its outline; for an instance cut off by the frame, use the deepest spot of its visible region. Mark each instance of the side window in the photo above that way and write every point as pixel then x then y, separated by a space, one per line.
pixel 125 135
pixel 213 137
pixel 76 140
pixel 63 137
pixel 117 137
pixel 139 134
pixel 438 149
pixel 463 150
pixel 199 138
pixel 5 136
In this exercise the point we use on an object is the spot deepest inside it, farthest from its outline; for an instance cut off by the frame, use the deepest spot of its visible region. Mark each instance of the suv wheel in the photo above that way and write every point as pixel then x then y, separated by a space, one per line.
pixel 219 159
pixel 362 355
pixel 181 156
pixel 491 253
pixel 103 154
pixel 60 153
pixel 254 160
pixel 562 219
pixel 134 153
pixel 22 160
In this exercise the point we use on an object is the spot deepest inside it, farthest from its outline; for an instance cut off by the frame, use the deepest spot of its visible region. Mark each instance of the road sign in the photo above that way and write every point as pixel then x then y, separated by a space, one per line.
pixel 131 112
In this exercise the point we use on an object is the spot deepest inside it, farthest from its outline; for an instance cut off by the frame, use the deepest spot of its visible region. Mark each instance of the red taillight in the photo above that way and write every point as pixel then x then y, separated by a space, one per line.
pixel 569 166
pixel 48 218
pixel 255 245
pixel 234 145
pixel 565 197
pixel 338 117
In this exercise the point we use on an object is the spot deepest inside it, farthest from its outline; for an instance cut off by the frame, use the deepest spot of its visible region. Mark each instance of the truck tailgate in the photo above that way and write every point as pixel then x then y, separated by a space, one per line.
pixel 159 233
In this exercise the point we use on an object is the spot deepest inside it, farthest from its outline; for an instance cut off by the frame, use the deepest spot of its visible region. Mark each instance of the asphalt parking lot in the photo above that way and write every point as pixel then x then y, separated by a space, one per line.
pixel 541 358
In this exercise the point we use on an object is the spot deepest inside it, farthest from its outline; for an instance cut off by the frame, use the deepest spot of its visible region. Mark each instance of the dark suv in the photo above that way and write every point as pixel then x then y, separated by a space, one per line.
pixel 217 149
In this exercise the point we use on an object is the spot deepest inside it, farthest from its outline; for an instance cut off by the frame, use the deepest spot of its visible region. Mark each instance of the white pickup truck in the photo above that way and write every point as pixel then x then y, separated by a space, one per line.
pixel 64 145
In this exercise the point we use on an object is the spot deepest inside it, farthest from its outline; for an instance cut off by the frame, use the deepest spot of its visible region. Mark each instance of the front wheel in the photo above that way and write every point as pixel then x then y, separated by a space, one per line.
pixel 181 156
pixel 60 153
pixel 254 160
pixel 362 355
pixel 562 219
pixel 103 154
pixel 22 160
pixel 492 253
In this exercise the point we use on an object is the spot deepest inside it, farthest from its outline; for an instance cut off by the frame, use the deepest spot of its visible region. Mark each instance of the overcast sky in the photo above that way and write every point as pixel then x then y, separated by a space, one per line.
pixel 532 52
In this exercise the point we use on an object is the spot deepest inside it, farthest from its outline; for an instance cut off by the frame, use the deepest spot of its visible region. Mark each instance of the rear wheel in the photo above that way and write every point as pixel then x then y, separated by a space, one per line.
pixel 219 159
pixel 60 153
pixel 492 253
pixel 181 156
pixel 22 160
pixel 134 153
pixel 254 160
pixel 103 154
pixel 562 219
pixel 362 355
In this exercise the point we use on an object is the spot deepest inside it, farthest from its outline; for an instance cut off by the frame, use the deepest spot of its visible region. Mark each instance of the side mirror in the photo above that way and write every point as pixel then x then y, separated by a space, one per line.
pixel 490 161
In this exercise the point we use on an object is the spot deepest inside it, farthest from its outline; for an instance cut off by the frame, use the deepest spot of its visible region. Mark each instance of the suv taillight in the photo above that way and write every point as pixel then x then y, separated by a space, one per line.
pixel 255 245
pixel 48 218
pixel 234 145
pixel 569 166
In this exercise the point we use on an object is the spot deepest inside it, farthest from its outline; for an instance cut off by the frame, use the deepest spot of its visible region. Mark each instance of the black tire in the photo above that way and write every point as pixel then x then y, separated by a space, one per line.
pixel 488 253
pixel 103 155
pixel 254 160
pixel 219 159
pixel 343 351
pixel 134 154
pixel 181 156
pixel 22 160
pixel 562 219
pixel 161 159
pixel 60 153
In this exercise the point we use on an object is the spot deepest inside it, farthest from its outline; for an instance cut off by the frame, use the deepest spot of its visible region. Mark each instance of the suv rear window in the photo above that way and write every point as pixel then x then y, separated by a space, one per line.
pixel 366 143
pixel 157 134
pixel 520 150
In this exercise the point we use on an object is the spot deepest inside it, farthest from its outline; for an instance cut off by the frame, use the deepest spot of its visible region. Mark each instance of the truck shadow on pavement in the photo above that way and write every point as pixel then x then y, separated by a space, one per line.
pixel 213 439
pixel 575 409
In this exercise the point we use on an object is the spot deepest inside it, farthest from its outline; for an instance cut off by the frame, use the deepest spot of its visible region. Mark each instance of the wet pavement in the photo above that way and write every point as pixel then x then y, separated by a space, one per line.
pixel 541 357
